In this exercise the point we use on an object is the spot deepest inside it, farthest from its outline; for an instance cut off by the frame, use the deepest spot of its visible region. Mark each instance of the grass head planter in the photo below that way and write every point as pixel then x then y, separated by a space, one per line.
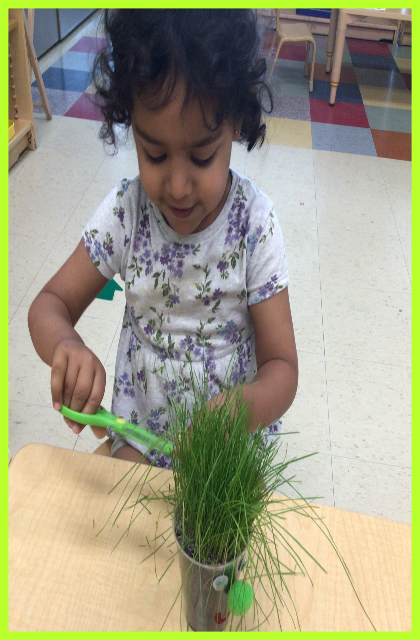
pixel 229 528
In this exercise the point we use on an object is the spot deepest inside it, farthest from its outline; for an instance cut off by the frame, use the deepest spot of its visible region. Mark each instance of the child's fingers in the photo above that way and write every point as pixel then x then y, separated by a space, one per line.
pixel 96 392
pixel 82 392
pixel 74 426
pixel 77 381
pixel 70 386
pixel 64 377
pixel 58 374
pixel 95 399
pixel 99 432
pixel 88 393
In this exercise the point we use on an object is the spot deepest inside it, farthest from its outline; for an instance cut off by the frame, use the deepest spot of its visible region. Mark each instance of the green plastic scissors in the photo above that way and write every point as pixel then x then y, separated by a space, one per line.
pixel 102 418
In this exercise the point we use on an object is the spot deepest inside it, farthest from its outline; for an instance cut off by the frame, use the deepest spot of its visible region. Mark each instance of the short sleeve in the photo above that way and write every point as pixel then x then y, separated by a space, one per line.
pixel 106 234
pixel 267 272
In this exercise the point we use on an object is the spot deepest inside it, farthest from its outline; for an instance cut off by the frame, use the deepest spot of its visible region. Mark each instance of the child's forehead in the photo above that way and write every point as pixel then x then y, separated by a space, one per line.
pixel 183 113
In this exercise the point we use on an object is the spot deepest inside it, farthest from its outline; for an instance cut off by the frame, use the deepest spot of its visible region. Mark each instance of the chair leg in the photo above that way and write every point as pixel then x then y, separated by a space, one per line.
pixel 275 59
pixel 396 33
pixel 311 79
pixel 271 47
pixel 402 32
pixel 35 66
pixel 307 59
pixel 273 15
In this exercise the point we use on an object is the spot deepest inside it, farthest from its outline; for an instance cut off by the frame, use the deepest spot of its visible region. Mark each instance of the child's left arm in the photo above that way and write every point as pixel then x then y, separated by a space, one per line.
pixel 277 363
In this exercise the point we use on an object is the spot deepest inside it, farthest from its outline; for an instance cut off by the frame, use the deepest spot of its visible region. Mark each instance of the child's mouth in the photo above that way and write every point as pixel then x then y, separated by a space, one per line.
pixel 181 213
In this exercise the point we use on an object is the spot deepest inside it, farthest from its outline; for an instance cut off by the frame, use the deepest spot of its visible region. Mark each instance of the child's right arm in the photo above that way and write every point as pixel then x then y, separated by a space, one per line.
pixel 77 375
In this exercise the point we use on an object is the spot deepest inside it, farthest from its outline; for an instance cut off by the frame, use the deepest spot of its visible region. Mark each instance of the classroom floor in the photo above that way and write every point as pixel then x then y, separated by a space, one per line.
pixel 340 179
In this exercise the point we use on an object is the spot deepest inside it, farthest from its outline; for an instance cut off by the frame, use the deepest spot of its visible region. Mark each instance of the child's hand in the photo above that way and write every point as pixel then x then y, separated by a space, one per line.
pixel 77 381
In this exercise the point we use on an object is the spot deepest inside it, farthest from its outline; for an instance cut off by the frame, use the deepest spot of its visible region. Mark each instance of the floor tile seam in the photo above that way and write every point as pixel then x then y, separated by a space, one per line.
pixel 367 128
pixel 384 464
pixel 325 349
pixel 395 220
pixel 311 352
pixel 60 191
pixel 372 429
pixel 346 457
pixel 21 306
pixel 114 336
pixel 31 404
pixel 20 235
pixel 367 361
pixel 357 287
pixel 26 235
pixel 329 232
pixel 23 295
pixel 99 169
pixel 297 279
pixel 322 152
pixel 304 449
pixel 46 151
pixel 323 325
pixel 387 105
pixel 13 315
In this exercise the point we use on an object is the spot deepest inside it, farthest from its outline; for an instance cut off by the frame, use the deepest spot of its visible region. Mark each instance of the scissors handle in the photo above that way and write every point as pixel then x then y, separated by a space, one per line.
pixel 103 418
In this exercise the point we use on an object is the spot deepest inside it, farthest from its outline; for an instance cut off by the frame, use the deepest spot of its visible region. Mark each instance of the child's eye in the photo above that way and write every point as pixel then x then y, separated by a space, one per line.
pixel 154 160
pixel 202 163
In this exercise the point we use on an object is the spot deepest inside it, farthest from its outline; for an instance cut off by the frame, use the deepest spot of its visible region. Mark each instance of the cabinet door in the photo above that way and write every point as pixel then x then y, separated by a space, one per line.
pixel 71 18
pixel 45 30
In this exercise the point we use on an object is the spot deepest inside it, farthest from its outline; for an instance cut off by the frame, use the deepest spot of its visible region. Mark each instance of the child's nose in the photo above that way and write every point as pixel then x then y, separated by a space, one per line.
pixel 179 182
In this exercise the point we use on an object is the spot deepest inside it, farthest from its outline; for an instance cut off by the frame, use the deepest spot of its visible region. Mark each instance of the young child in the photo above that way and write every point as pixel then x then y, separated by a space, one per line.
pixel 198 246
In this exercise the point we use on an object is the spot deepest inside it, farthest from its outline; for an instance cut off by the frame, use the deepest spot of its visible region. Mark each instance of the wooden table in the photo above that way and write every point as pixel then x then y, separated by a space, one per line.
pixel 63 577
pixel 340 18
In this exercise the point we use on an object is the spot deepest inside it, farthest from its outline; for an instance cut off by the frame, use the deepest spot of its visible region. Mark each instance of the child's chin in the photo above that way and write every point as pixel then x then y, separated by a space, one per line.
pixel 183 227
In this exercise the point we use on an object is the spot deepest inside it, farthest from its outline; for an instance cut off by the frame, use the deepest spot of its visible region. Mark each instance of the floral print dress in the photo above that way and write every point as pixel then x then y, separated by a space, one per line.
pixel 187 297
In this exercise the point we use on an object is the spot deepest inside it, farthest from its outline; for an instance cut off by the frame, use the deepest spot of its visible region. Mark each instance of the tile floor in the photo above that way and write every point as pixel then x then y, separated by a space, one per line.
pixel 341 184
pixel 372 113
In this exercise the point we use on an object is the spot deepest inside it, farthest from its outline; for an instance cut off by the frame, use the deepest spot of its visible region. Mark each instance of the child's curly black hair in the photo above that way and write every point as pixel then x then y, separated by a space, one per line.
pixel 214 50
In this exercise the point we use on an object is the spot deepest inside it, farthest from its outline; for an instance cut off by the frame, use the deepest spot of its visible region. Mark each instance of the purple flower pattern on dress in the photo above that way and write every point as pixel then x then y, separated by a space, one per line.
pixel 154 330
pixel 238 219
pixel 125 385
pixel 94 248
pixel 108 245
pixel 187 343
pixel 253 238
pixel 230 332
pixel 173 390
pixel 120 213
pixel 148 329
pixel 172 257
pixel 268 290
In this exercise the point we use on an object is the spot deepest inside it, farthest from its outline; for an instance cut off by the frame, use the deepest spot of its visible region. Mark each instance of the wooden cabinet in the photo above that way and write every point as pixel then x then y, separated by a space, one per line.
pixel 20 98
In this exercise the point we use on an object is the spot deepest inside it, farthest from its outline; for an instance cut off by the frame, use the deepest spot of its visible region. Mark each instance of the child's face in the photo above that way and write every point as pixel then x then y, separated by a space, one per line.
pixel 184 167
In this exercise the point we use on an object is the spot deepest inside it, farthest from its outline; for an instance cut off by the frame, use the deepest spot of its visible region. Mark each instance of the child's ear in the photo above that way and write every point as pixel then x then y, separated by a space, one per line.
pixel 237 129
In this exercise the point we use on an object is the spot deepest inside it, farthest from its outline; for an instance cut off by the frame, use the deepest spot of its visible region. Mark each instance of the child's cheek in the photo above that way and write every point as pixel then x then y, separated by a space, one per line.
pixel 149 182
